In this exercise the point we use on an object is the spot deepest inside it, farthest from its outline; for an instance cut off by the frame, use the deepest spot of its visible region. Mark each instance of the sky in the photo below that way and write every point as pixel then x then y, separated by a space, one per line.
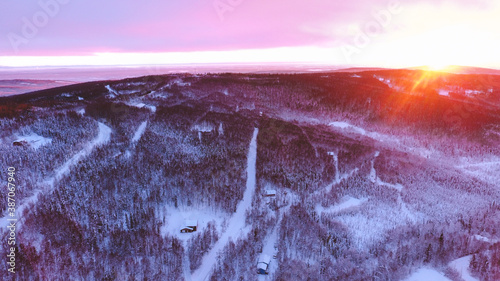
pixel 382 33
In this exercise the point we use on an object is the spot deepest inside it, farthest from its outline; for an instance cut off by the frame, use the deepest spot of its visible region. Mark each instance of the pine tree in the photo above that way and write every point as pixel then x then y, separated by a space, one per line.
pixel 428 254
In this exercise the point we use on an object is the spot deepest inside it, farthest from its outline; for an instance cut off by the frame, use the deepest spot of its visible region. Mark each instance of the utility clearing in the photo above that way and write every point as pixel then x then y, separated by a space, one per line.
pixel 236 224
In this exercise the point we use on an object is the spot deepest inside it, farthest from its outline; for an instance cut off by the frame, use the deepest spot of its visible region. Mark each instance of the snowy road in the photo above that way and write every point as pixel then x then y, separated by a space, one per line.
pixel 237 221
pixel 270 250
pixel 338 177
pixel 140 131
pixel 103 136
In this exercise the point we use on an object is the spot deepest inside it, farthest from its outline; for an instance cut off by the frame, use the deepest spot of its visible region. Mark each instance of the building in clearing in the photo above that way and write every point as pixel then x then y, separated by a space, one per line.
pixel 20 143
pixel 263 264
pixel 270 193
pixel 190 226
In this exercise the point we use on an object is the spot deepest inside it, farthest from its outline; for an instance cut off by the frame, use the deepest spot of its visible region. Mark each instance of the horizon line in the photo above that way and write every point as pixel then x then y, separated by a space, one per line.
pixel 305 55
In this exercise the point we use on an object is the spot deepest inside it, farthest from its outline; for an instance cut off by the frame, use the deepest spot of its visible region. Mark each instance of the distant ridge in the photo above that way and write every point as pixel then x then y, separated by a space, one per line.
pixel 458 69
pixel 360 69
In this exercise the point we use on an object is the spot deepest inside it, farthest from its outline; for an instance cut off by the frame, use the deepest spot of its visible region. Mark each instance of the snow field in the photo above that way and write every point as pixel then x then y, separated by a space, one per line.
pixel 34 140
pixel 461 265
pixel 427 274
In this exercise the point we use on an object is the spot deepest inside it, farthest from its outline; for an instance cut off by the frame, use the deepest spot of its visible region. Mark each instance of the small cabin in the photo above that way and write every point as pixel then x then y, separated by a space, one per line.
pixel 263 264
pixel 270 193
pixel 190 226
pixel 20 143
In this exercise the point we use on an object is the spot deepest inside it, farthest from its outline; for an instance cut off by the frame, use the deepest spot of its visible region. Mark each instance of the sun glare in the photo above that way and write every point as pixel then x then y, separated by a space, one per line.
pixel 438 67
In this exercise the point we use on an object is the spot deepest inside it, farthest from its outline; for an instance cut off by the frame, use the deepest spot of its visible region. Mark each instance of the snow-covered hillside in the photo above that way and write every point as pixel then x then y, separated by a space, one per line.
pixel 364 175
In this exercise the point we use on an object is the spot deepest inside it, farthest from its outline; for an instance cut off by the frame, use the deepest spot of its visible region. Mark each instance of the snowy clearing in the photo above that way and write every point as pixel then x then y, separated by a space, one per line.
pixel 481 164
pixel 473 92
pixel 237 222
pixel 81 111
pixel 481 238
pixel 388 82
pixel 34 140
pixel 404 210
pixel 336 163
pixel 151 108
pixel 348 202
pixel 405 144
pixel 443 92
pixel 175 219
pixel 159 95
pixel 461 265
pixel 370 222
pixel 486 170
pixel 485 239
pixel 427 274
pixel 204 127
pixel 396 186
pixel 112 92
pixel 349 127
pixel 178 82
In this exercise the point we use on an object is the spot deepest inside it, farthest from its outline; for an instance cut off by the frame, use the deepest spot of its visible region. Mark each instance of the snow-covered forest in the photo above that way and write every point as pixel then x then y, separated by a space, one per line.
pixel 378 175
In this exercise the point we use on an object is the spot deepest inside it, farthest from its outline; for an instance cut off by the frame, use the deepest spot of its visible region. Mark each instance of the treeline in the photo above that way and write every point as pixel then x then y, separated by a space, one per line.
pixel 486 265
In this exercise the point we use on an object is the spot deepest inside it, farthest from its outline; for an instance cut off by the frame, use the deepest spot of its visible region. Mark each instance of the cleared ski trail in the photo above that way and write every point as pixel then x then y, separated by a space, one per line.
pixel 103 136
pixel 237 221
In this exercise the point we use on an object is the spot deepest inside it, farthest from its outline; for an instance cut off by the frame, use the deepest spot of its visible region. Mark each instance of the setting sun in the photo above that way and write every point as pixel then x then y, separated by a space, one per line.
pixel 438 67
